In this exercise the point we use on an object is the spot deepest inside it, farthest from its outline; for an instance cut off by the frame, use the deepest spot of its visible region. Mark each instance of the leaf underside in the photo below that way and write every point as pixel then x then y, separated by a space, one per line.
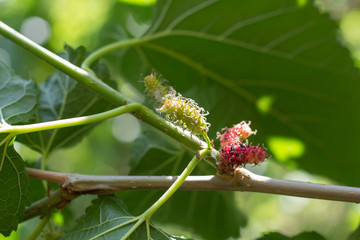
pixel 107 218
pixel 14 194
pixel 62 97
pixel 18 97
pixel 230 61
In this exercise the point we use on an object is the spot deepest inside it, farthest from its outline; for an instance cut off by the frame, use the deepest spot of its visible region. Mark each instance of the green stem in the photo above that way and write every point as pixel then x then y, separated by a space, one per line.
pixel 71 122
pixel 95 84
pixel 207 139
pixel 40 227
pixel 151 210
pixel 189 168
pixel 108 49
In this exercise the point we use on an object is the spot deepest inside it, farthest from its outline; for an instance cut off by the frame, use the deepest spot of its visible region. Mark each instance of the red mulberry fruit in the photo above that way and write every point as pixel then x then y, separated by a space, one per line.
pixel 236 134
pixel 239 154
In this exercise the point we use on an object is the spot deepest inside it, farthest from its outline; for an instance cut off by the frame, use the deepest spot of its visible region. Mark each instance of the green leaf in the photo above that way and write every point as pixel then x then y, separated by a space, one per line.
pixel 150 140
pixel 14 194
pixel 276 63
pixel 301 236
pixel 62 97
pixel 355 235
pixel 18 97
pixel 108 218
pixel 213 215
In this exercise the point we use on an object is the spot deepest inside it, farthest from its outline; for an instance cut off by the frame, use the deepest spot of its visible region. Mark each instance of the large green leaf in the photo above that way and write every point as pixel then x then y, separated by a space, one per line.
pixel 213 215
pixel 14 194
pixel 108 218
pixel 62 97
pixel 18 97
pixel 276 63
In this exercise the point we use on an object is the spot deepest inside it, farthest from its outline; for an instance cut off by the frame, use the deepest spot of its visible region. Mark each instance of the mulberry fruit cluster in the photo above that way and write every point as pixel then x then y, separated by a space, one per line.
pixel 155 89
pixel 182 111
pixel 235 150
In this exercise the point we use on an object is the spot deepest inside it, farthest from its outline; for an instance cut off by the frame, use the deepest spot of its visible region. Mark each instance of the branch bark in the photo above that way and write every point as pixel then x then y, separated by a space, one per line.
pixel 73 185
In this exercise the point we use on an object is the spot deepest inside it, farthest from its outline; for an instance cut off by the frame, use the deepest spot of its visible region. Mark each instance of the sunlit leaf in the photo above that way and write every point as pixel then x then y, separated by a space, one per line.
pixel 108 218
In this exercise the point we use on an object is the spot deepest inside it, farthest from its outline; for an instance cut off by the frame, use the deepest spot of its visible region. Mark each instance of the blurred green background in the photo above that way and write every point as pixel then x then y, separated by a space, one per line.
pixel 93 23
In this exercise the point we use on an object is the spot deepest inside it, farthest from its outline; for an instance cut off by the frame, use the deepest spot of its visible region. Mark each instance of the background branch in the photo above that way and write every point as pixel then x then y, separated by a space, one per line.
pixel 73 185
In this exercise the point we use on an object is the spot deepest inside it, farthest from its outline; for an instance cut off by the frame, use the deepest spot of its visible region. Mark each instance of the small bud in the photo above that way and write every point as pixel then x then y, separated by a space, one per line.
pixel 155 89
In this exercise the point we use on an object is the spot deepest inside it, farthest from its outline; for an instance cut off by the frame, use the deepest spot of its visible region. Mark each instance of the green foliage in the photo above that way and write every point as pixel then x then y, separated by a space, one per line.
pixel 62 97
pixel 18 100
pixel 301 236
pixel 199 211
pixel 18 97
pixel 108 218
pixel 277 63
pixel 14 194
pixel 229 63
pixel 355 235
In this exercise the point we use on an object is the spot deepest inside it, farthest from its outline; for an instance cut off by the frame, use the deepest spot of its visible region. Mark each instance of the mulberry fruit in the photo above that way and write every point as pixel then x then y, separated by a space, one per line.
pixel 155 89
pixel 185 113
pixel 240 154
pixel 236 134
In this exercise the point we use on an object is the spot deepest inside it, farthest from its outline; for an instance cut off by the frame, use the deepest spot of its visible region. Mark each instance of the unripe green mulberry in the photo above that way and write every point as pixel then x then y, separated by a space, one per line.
pixel 186 113
pixel 155 89
pixel 182 111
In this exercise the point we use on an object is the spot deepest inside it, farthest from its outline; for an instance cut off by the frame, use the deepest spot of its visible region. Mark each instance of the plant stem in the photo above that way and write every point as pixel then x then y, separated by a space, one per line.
pixel 40 227
pixel 189 168
pixel 151 210
pixel 71 122
pixel 108 49
pixel 244 180
pixel 207 139
pixel 95 84
pixel 57 199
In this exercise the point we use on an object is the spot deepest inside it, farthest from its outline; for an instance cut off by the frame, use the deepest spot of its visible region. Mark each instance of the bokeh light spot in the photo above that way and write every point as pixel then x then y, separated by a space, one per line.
pixel 301 3
pixel 285 149
pixel 58 218
pixel 37 29
pixel 126 128
pixel 264 103
pixel 139 2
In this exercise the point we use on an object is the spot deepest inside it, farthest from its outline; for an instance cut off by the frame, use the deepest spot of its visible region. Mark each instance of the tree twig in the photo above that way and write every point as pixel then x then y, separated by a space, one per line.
pixel 57 199
pixel 73 185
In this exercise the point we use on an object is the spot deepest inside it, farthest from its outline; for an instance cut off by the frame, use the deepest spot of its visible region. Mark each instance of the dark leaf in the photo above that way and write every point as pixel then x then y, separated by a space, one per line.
pixel 301 236
pixel 108 218
pixel 14 189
